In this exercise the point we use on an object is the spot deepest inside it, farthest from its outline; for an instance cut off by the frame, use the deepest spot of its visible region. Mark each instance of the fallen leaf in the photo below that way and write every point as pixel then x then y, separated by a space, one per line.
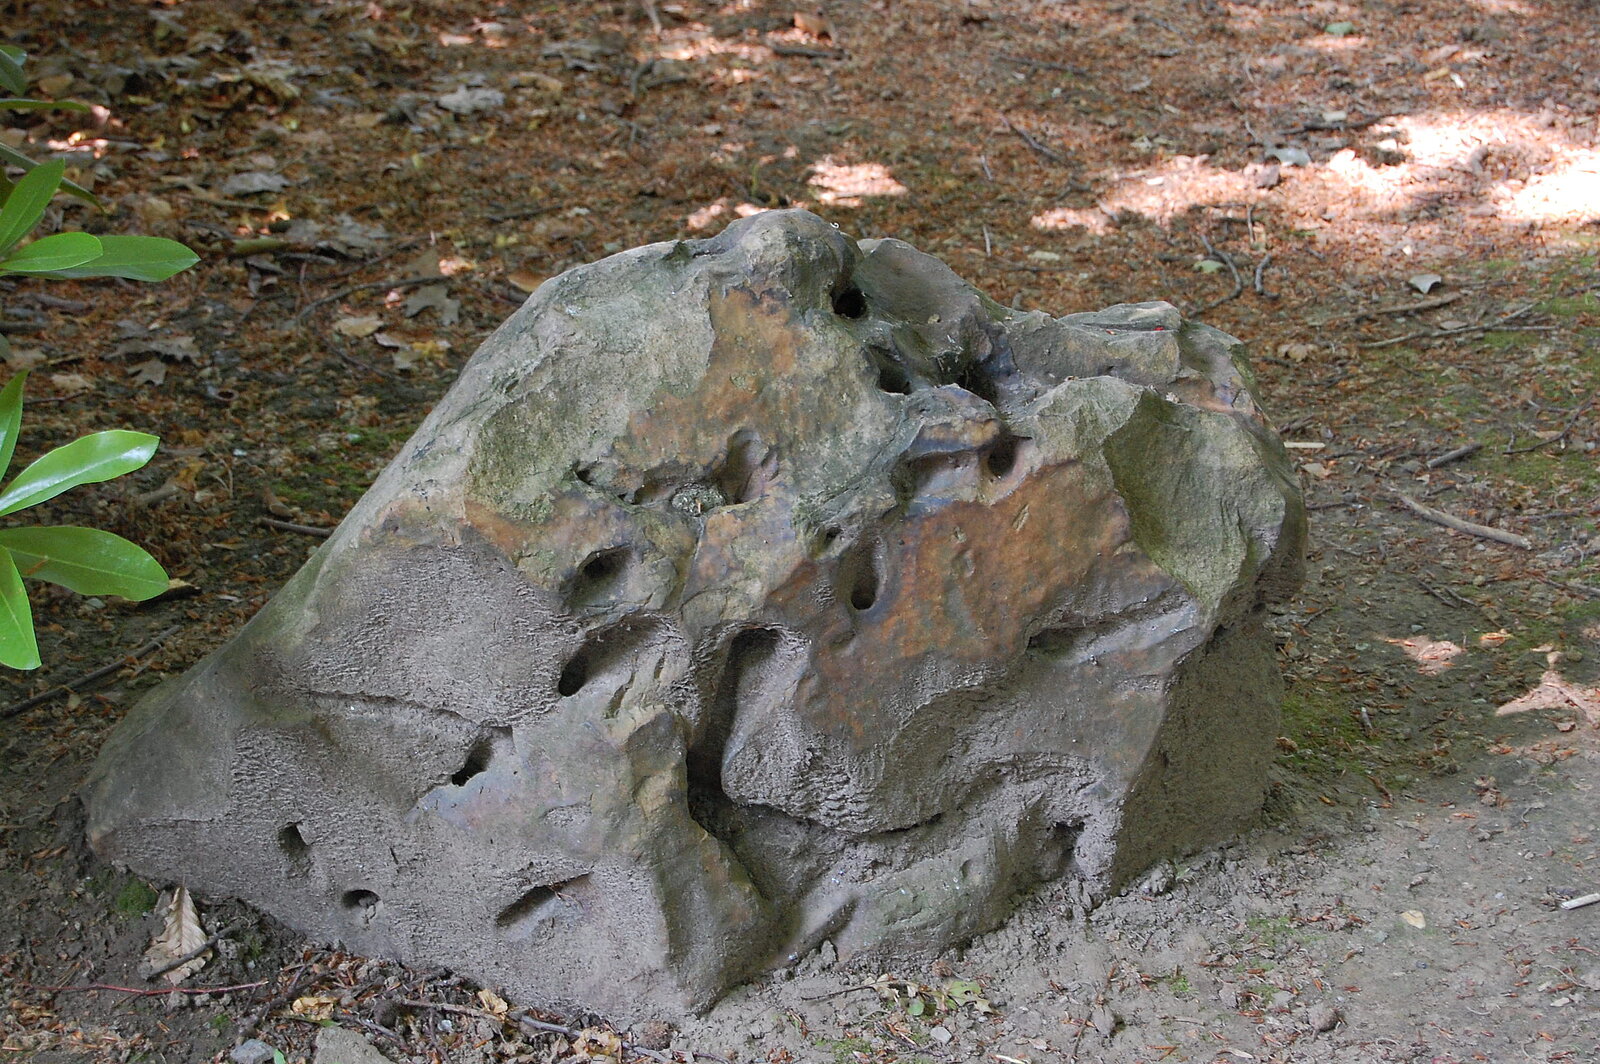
pixel 437 298
pixel 70 383
pixel 152 372
pixel 1554 692
pixel 1414 918
pixel 358 327
pixel 180 936
pixel 172 348
pixel 1424 282
pixel 314 1006
pixel 525 280
pixel 493 1002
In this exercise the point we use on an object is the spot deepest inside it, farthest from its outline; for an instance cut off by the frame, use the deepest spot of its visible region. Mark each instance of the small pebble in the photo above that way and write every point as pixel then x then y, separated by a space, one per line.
pixel 255 1051
pixel 1322 1017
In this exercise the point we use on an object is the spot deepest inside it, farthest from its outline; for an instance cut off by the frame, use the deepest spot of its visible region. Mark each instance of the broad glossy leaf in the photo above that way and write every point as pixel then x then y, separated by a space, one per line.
pixel 12 79
pixel 53 253
pixel 87 460
pixel 27 103
pixel 16 158
pixel 86 560
pixel 26 204
pixel 18 648
pixel 10 418
pixel 138 258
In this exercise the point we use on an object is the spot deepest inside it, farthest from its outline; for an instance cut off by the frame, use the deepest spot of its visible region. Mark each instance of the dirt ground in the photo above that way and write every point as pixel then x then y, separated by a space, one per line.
pixel 1396 203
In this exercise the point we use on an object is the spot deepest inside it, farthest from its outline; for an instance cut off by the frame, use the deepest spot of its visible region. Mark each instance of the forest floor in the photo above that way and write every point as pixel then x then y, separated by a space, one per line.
pixel 1397 204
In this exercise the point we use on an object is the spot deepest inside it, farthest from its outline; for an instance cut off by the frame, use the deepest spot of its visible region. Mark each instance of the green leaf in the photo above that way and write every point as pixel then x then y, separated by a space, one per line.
pixel 86 560
pixel 87 460
pixel 12 79
pixel 915 1007
pixel 138 258
pixel 29 104
pixel 1208 265
pixel 53 253
pixel 16 158
pixel 18 648
pixel 1340 29
pixel 10 418
pixel 26 204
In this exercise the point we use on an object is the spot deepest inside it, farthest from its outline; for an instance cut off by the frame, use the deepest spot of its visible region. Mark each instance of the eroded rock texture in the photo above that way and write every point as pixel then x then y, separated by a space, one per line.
pixel 745 593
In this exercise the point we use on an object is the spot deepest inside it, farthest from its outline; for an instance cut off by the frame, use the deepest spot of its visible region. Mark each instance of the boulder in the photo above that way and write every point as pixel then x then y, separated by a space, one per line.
pixel 745 594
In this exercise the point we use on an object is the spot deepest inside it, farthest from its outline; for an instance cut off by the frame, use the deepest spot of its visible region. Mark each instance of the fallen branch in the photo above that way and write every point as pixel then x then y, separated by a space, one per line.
pixel 1439 517
pixel 1576 589
pixel 408 282
pixel 1260 269
pixel 290 526
pixel 87 678
pixel 1454 456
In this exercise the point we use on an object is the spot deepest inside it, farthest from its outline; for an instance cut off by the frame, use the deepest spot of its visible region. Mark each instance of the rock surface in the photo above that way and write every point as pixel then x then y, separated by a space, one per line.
pixel 745 594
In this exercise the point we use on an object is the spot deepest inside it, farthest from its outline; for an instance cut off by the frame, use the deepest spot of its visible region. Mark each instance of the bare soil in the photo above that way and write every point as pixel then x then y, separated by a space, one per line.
pixel 1282 170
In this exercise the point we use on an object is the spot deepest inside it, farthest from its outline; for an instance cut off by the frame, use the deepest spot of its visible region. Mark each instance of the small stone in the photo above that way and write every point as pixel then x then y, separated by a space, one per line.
pixel 254 1051
pixel 466 101
pixel 652 1034
pixel 940 1035
pixel 1322 1017
pixel 338 1045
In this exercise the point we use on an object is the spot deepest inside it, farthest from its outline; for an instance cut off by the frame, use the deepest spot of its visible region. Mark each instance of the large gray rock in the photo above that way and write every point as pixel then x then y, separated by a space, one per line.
pixel 745 593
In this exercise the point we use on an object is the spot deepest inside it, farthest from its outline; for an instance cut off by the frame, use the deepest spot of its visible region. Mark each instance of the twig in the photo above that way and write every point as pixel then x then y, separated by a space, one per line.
pixel 145 992
pixel 523 1019
pixel 1439 517
pixel 1031 141
pixel 1576 589
pixel 1238 281
pixel 1448 596
pixel 1571 422
pixel 89 677
pixel 779 48
pixel 407 282
pixel 1398 308
pixel 290 526
pixel 274 1000
pixel 1456 455
pixel 178 962
pixel 1260 268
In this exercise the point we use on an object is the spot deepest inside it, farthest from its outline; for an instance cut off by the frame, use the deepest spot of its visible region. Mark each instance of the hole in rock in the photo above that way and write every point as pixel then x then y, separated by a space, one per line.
pixel 1054 642
pixel 1001 457
pixel 608 654
pixel 848 302
pixel 359 899
pixel 296 848
pixel 860 575
pixel 972 378
pixel 478 758
pixel 543 903
pixel 601 577
pixel 892 376
pixel 575 674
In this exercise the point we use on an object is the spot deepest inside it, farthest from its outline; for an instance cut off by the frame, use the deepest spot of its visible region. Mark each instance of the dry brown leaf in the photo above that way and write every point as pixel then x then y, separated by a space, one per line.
pixel 358 327
pixel 152 372
pixel 181 935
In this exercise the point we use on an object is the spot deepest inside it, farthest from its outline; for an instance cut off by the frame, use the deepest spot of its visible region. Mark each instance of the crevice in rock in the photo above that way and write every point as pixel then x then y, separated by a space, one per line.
pixel 893 377
pixel 601 577
pixel 860 576
pixel 1000 457
pixel 479 756
pixel 363 903
pixel 295 847
pixel 606 655
pixel 539 905
pixel 744 473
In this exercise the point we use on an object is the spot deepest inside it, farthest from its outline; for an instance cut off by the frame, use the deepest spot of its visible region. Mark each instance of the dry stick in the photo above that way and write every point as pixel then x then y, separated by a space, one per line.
pixel 88 677
pixel 290 526
pixel 1576 589
pixel 142 992
pixel 1261 268
pixel 1456 455
pixel 1399 308
pixel 1238 282
pixel 408 282
pixel 1439 517
pixel 522 1018
pixel 1033 142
